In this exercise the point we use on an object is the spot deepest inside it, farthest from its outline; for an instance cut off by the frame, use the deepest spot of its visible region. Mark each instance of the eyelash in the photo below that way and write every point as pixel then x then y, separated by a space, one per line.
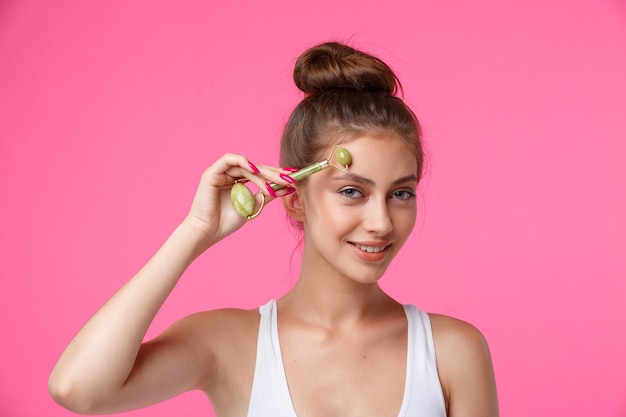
pixel 345 192
pixel 350 194
pixel 408 195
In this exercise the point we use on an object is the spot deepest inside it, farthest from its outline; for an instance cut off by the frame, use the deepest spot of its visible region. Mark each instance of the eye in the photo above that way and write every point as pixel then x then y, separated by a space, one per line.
pixel 351 193
pixel 403 195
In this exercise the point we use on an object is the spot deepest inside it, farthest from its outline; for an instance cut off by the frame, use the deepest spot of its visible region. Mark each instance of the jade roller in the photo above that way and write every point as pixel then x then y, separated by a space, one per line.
pixel 243 200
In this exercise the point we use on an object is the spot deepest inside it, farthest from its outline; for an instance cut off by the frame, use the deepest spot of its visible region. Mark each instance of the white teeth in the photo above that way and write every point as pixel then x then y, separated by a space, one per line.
pixel 371 249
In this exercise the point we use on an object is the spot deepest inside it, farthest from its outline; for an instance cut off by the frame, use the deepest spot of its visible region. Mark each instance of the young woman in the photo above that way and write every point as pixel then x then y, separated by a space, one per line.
pixel 335 344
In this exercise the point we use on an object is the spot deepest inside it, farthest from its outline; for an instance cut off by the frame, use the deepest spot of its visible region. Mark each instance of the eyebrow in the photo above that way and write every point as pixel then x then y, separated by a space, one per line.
pixel 357 178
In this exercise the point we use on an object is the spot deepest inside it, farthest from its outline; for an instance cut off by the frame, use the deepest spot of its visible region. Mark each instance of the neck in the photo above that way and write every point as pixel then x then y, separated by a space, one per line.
pixel 332 302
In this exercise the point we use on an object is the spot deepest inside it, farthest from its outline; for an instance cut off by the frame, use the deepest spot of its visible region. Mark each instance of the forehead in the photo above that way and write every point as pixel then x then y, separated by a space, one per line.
pixel 345 137
pixel 384 157
pixel 379 147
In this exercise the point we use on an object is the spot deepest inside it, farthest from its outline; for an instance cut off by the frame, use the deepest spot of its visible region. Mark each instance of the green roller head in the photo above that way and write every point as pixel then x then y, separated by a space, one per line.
pixel 242 200
pixel 343 157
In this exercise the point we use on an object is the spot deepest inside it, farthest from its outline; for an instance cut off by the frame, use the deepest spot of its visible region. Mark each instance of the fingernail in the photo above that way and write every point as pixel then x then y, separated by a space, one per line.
pixel 289 169
pixel 270 190
pixel 254 168
pixel 287 178
pixel 290 190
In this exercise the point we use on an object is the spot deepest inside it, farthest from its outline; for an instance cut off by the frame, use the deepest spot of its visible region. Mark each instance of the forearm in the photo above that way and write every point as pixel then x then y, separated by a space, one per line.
pixel 102 355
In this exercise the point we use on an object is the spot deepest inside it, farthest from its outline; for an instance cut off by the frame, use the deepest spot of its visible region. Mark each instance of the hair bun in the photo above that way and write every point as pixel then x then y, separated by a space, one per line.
pixel 334 66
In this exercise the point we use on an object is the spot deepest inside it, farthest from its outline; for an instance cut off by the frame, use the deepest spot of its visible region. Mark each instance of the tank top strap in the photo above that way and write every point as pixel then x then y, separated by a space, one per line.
pixel 423 392
pixel 270 392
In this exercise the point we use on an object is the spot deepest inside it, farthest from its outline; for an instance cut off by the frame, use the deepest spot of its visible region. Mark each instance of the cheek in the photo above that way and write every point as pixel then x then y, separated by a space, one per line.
pixel 328 213
pixel 405 220
pixel 334 217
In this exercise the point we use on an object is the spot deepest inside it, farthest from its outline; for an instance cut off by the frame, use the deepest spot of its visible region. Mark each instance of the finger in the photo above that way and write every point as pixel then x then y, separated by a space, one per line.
pixel 228 168
pixel 232 168
pixel 268 180
pixel 283 192
pixel 279 177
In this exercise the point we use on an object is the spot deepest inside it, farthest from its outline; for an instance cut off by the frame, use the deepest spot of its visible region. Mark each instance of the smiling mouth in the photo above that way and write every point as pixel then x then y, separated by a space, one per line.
pixel 370 249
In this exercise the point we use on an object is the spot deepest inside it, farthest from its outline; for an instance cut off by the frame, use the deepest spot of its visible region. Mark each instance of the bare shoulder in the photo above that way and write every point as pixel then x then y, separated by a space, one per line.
pixel 450 333
pixel 219 340
pixel 215 326
pixel 232 321
pixel 465 367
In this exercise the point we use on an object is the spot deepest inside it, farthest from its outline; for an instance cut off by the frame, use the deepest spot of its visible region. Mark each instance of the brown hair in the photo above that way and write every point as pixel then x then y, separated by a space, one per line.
pixel 348 93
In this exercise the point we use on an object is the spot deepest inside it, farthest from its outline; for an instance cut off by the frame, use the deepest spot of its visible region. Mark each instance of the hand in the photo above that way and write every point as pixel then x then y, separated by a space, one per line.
pixel 211 212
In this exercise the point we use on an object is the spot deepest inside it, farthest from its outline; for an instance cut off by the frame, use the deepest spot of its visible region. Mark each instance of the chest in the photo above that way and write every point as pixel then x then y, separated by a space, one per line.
pixel 346 374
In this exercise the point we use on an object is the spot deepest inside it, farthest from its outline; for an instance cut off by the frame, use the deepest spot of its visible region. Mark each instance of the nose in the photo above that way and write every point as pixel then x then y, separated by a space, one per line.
pixel 377 218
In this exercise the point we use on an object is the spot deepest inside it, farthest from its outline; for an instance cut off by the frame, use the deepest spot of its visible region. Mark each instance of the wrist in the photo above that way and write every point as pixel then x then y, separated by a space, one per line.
pixel 194 235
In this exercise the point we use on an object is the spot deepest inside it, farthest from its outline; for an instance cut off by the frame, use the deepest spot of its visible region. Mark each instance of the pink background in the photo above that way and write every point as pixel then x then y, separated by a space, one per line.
pixel 109 112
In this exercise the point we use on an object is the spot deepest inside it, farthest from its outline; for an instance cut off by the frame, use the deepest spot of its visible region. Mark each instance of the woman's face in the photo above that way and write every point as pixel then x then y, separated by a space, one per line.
pixel 355 222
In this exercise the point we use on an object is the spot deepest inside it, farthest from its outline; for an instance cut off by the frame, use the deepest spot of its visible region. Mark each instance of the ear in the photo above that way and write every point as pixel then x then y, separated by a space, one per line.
pixel 294 206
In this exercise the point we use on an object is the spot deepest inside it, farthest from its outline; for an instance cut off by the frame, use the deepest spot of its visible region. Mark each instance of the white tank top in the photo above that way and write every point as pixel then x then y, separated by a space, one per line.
pixel 423 395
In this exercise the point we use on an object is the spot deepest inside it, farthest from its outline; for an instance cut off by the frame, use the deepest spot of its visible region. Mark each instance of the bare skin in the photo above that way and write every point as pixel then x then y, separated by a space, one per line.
pixel 342 338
